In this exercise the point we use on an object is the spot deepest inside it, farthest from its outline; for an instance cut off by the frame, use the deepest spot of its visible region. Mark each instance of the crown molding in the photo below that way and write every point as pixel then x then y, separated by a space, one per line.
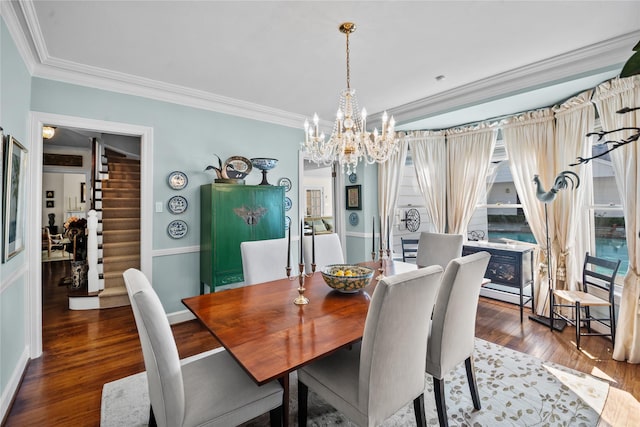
pixel 598 57
pixel 23 25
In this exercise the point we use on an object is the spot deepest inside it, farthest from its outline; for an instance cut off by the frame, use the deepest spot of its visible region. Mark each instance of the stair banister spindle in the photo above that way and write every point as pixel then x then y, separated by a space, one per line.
pixel 92 251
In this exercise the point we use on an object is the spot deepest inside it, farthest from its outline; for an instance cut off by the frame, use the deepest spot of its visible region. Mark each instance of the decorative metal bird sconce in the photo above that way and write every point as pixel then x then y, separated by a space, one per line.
pixel 562 181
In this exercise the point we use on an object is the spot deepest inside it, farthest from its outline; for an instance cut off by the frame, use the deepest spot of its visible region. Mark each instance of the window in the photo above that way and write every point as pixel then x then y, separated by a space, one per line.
pixel 606 212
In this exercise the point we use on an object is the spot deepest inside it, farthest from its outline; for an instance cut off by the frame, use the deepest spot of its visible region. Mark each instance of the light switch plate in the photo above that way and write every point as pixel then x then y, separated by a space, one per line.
pixel 158 206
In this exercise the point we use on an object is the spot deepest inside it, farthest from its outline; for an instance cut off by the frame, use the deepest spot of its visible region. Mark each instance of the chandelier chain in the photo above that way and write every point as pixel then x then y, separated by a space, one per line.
pixel 348 65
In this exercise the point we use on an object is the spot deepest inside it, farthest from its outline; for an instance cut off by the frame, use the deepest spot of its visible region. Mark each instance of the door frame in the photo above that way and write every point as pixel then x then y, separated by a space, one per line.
pixel 34 205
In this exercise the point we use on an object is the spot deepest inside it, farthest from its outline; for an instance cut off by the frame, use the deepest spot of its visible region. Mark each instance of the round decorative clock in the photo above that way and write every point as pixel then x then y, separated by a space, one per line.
pixel 353 219
pixel 412 219
pixel 177 229
pixel 286 183
pixel 353 178
pixel 177 204
pixel 287 204
pixel 178 180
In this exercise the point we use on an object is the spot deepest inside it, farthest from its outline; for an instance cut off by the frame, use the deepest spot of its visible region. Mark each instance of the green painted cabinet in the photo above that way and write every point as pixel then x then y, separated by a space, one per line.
pixel 231 214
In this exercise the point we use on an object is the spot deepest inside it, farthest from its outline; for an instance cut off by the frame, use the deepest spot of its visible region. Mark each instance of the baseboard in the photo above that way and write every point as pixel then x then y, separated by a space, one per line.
pixel 13 385
pixel 180 316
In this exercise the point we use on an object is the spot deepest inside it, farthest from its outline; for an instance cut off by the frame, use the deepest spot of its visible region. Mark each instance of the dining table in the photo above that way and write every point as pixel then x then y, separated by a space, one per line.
pixel 270 336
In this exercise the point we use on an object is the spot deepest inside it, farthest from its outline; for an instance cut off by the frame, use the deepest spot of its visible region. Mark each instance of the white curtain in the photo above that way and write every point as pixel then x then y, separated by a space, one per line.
pixel 429 154
pixel 529 141
pixel 469 152
pixel 389 178
pixel 339 206
pixel 574 119
pixel 611 97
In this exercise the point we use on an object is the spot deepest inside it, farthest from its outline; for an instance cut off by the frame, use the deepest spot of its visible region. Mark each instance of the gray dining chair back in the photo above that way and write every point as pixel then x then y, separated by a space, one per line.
pixel 328 251
pixel 438 248
pixel 452 337
pixel 374 379
pixel 211 390
pixel 264 260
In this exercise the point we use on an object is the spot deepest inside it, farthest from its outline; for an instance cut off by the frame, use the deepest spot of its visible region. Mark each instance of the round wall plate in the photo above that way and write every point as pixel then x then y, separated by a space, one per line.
pixel 177 229
pixel 287 222
pixel 353 178
pixel 287 204
pixel 286 183
pixel 178 180
pixel 177 204
pixel 353 219
pixel 236 167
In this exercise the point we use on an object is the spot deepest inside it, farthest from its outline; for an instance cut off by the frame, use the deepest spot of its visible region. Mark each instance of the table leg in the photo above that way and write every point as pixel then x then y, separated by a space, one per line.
pixel 284 381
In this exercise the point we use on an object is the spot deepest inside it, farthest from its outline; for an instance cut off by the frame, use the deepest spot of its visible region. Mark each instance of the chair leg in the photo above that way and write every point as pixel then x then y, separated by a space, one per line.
pixel 587 318
pixel 441 405
pixel 612 322
pixel 473 385
pixel 152 419
pixel 578 325
pixel 275 417
pixel 418 408
pixel 303 391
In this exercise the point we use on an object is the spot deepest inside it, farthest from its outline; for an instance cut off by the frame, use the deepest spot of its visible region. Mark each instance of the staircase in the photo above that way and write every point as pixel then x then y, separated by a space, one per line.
pixel 120 197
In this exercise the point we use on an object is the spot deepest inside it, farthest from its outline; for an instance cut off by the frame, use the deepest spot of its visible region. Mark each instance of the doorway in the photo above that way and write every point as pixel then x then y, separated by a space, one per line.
pixel 35 203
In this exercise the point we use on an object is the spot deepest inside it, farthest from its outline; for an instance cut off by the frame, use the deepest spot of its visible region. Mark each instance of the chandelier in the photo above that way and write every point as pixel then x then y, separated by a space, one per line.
pixel 350 142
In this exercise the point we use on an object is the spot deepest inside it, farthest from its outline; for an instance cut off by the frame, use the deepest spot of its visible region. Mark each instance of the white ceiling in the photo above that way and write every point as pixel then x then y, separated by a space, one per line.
pixel 281 61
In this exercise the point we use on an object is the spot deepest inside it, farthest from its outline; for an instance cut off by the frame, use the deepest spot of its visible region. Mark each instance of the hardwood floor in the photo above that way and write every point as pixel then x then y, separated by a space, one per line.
pixel 85 349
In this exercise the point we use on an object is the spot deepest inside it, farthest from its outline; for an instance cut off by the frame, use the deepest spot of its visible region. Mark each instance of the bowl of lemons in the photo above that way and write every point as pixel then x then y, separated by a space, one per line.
pixel 347 278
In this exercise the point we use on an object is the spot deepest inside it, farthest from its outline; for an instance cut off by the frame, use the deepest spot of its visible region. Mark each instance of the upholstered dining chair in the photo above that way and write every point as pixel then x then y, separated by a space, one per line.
pixel 438 248
pixel 212 390
pixel 264 260
pixel 453 327
pixel 375 378
pixel 328 251
pixel 597 274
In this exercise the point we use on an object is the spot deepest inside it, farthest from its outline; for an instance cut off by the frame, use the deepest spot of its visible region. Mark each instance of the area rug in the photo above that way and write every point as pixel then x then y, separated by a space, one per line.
pixel 515 390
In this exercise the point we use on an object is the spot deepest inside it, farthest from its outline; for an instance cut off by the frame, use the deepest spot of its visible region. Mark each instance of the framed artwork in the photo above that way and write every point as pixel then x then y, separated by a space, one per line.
pixel 50 194
pixel 83 192
pixel 13 208
pixel 354 198
pixel 50 204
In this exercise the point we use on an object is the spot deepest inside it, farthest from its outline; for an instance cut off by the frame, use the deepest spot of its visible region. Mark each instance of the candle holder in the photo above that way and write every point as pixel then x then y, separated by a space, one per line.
pixel 301 299
pixel 288 272
pixel 381 266
pixel 373 255
pixel 313 268
pixel 388 253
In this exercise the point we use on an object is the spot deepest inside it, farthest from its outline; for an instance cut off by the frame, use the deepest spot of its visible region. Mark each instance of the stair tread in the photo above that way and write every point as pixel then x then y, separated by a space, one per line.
pixel 113 291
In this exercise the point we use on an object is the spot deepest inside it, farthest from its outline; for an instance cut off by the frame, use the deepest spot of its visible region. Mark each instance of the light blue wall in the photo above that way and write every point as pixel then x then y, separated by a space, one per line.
pixel 184 139
pixel 359 237
pixel 14 109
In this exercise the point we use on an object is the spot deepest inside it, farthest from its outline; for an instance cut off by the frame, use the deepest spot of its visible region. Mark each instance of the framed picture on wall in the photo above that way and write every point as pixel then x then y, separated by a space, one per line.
pixel 354 198
pixel 50 194
pixel 83 192
pixel 50 204
pixel 13 207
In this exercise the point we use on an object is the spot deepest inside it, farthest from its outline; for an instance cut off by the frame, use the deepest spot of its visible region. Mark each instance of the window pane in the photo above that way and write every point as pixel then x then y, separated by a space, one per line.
pixel 607 211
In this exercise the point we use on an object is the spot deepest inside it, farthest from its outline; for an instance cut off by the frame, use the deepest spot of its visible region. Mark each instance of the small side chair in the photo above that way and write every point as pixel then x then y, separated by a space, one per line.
pixel 597 273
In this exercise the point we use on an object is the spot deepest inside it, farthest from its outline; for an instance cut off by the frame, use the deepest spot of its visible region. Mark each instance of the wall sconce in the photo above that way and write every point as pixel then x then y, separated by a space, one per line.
pixel 48 132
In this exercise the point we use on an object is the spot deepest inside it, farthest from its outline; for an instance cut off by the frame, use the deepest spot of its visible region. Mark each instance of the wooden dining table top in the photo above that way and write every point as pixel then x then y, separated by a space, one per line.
pixel 270 336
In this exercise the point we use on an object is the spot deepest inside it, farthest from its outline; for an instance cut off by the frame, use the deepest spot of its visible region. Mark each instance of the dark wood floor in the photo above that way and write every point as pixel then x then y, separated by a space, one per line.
pixel 85 349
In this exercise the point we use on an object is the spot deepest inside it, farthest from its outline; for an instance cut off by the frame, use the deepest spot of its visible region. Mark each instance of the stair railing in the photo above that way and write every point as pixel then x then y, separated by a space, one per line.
pixel 92 252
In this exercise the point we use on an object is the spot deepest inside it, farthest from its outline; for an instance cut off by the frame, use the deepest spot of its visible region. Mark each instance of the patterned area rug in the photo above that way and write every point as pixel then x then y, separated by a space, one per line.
pixel 515 390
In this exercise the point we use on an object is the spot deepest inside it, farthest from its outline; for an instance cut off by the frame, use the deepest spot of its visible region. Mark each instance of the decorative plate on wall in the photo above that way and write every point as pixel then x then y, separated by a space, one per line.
pixel 177 204
pixel 178 180
pixel 287 204
pixel 286 183
pixel 177 229
pixel 353 219
pixel 287 222
pixel 353 178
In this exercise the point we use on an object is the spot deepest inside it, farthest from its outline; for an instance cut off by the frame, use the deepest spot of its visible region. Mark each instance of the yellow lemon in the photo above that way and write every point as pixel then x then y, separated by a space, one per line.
pixel 348 273
pixel 339 273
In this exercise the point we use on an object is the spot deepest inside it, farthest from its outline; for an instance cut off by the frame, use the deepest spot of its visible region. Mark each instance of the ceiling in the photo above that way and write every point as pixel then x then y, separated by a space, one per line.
pixel 281 61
